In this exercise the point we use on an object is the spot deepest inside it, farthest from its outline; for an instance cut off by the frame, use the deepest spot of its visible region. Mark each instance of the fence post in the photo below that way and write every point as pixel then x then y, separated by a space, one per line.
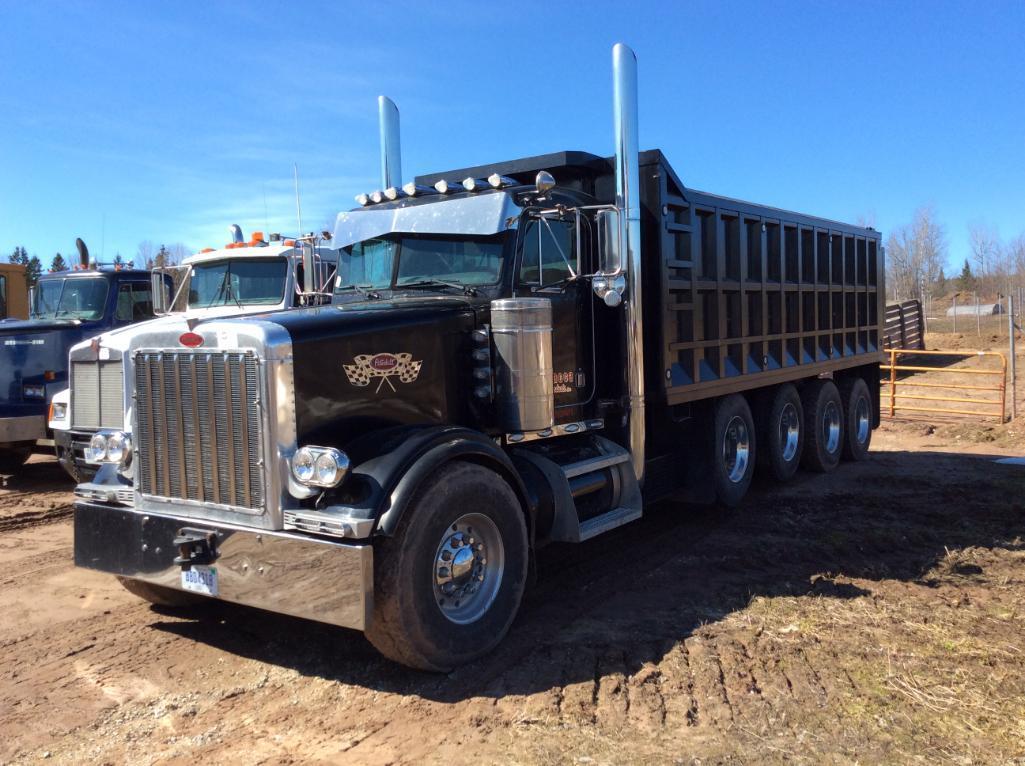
pixel 1010 343
pixel 978 317
pixel 954 312
pixel 893 382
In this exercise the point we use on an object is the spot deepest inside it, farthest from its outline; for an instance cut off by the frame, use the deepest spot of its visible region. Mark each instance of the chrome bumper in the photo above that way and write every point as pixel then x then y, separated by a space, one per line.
pixel 281 572
pixel 22 429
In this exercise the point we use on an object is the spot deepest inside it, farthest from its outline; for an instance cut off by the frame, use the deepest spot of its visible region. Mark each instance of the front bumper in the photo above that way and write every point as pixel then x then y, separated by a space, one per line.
pixel 281 572
pixel 71 452
pixel 22 429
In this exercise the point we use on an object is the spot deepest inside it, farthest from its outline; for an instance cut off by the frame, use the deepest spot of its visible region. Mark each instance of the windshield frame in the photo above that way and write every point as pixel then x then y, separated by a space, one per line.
pixel 414 281
pixel 56 313
pixel 229 296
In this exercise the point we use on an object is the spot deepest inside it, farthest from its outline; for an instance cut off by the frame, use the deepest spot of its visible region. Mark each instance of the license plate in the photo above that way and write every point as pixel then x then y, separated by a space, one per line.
pixel 200 579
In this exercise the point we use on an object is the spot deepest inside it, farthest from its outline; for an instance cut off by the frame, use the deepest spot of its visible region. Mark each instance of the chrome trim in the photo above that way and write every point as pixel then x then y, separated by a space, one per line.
pixel 624 106
pixel 391 153
pixel 564 429
pixel 105 493
pixel 324 580
pixel 333 521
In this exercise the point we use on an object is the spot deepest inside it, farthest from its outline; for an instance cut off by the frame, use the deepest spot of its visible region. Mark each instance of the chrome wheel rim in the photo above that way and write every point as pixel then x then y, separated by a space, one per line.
pixel 468 568
pixel 831 426
pixel 789 431
pixel 862 420
pixel 736 449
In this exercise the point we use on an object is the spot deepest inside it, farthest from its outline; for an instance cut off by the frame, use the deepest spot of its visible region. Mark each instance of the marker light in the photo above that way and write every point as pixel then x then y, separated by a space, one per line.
pixel 363 199
pixel 474 184
pixel 412 189
pixel 392 193
pixel 497 182
pixel 377 196
pixel 444 187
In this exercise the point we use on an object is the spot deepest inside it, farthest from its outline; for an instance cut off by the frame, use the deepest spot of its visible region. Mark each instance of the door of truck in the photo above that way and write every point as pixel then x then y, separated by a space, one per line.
pixel 547 259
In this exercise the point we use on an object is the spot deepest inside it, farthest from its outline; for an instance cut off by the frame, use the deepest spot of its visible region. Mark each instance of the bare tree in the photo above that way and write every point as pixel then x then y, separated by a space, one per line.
pixel 144 255
pixel 915 254
pixel 985 244
pixel 177 253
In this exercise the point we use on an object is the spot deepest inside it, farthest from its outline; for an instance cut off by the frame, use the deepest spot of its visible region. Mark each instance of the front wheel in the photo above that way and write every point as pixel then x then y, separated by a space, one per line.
pixel 448 584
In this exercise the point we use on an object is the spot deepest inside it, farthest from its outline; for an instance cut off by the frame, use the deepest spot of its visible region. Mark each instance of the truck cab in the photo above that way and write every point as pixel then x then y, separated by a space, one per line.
pixel 13 292
pixel 66 307
pixel 244 277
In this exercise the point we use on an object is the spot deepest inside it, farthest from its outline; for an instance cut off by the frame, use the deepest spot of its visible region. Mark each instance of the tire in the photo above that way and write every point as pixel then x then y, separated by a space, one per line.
pixel 823 417
pixel 13 457
pixel 857 407
pixel 781 434
pixel 158 595
pixel 733 449
pixel 419 619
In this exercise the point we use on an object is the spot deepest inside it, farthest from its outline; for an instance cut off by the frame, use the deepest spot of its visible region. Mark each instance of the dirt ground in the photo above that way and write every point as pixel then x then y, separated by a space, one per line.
pixel 873 615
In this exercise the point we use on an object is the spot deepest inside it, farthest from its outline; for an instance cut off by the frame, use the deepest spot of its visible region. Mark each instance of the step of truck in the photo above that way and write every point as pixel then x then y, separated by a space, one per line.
pixel 617 517
pixel 598 463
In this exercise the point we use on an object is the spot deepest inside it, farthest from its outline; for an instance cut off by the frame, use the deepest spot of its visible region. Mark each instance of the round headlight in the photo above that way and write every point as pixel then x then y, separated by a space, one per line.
pixel 303 465
pixel 327 470
pixel 96 452
pixel 119 448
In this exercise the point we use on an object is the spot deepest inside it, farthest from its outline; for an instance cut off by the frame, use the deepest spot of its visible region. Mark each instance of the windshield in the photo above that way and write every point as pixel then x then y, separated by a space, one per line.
pixel 405 259
pixel 70 299
pixel 256 281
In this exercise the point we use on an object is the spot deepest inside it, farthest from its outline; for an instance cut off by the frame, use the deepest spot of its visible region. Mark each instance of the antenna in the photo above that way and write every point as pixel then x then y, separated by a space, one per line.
pixel 298 208
pixel 266 225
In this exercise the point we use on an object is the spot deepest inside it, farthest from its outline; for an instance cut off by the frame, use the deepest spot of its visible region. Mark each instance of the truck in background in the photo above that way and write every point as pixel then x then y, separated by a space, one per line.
pixel 529 353
pixel 13 291
pixel 243 277
pixel 66 307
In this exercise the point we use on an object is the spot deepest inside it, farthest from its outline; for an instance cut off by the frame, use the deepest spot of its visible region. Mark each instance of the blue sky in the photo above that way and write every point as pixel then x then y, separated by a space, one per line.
pixel 167 122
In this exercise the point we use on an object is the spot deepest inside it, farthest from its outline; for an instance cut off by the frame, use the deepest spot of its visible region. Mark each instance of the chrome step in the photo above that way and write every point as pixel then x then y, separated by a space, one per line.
pixel 594 464
pixel 617 517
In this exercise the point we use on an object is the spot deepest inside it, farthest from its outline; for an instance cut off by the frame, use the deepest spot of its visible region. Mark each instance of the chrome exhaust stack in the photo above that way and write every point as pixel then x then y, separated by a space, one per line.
pixel 628 200
pixel 391 155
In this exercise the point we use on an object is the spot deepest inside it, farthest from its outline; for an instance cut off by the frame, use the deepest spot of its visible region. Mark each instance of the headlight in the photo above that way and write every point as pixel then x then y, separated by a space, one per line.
pixel 109 447
pixel 319 466
pixel 96 452
pixel 34 392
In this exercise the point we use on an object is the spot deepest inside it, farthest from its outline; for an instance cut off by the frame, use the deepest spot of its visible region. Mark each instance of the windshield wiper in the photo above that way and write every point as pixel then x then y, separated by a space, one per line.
pixel 371 295
pixel 467 289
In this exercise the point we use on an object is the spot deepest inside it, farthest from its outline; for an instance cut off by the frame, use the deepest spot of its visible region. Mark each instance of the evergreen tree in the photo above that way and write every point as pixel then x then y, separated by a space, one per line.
pixel 20 255
pixel 33 269
pixel 941 282
pixel 58 264
pixel 966 282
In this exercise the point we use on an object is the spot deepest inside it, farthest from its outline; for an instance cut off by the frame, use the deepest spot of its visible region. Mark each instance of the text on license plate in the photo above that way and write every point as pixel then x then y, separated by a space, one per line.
pixel 200 579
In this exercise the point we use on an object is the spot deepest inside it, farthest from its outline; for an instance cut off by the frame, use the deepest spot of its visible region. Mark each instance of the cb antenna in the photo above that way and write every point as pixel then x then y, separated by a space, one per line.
pixel 298 207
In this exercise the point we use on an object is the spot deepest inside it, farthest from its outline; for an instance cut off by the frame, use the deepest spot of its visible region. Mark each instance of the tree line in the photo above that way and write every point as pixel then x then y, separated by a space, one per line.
pixel 147 256
pixel 916 253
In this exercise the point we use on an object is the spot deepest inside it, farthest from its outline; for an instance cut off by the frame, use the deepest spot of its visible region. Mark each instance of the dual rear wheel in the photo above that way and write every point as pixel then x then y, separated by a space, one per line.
pixel 815 427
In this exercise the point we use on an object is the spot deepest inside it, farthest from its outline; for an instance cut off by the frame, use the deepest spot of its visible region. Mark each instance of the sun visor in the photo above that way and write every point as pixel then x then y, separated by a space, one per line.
pixel 477 215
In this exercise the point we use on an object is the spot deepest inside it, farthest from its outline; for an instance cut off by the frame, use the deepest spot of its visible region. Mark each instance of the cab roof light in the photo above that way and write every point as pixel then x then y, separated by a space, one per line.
pixel 499 182
pixel 393 194
pixel 377 196
pixel 257 236
pixel 207 250
pixel 289 243
pixel 474 184
pixel 412 189
pixel 444 187
pixel 363 199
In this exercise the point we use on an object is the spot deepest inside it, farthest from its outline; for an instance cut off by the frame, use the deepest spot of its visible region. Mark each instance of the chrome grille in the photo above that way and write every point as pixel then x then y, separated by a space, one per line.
pixel 198 426
pixel 97 395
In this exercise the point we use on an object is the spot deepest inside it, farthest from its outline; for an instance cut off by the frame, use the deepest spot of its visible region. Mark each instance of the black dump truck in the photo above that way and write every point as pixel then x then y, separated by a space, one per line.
pixel 517 354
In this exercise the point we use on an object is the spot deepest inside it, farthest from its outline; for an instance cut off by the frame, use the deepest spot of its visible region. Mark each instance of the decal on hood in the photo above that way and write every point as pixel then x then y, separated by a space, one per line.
pixel 367 367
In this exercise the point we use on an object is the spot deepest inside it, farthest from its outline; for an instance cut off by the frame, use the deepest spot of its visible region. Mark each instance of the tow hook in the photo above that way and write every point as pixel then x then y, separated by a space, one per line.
pixel 195 546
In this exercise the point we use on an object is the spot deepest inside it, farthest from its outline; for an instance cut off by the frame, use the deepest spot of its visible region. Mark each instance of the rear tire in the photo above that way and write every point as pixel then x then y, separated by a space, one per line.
pixel 781 434
pixel 857 407
pixel 431 612
pixel 158 595
pixel 13 457
pixel 823 417
pixel 733 449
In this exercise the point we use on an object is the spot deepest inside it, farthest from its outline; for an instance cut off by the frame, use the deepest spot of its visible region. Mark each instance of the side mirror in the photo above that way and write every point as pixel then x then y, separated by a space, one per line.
pixel 31 301
pixel 160 293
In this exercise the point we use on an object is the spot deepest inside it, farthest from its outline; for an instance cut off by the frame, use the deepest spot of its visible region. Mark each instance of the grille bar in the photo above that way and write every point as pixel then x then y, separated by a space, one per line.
pixel 199 426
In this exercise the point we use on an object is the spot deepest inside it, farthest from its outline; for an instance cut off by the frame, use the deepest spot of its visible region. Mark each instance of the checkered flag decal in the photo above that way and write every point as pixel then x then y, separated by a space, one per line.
pixel 362 372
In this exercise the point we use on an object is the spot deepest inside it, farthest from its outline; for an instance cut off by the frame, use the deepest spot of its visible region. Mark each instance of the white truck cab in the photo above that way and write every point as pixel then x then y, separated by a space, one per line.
pixel 243 277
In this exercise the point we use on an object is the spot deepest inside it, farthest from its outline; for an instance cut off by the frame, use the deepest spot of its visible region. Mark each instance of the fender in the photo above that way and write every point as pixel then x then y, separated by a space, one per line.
pixel 401 471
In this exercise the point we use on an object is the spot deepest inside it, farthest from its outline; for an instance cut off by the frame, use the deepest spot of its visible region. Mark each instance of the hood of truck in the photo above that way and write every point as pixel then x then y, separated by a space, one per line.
pixel 29 349
pixel 360 368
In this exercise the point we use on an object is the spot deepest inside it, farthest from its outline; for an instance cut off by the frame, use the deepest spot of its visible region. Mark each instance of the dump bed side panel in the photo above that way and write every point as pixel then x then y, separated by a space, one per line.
pixel 750 295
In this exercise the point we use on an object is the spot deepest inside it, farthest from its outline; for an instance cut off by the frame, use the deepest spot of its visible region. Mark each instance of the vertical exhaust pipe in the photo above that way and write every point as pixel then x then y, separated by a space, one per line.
pixel 391 154
pixel 628 200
